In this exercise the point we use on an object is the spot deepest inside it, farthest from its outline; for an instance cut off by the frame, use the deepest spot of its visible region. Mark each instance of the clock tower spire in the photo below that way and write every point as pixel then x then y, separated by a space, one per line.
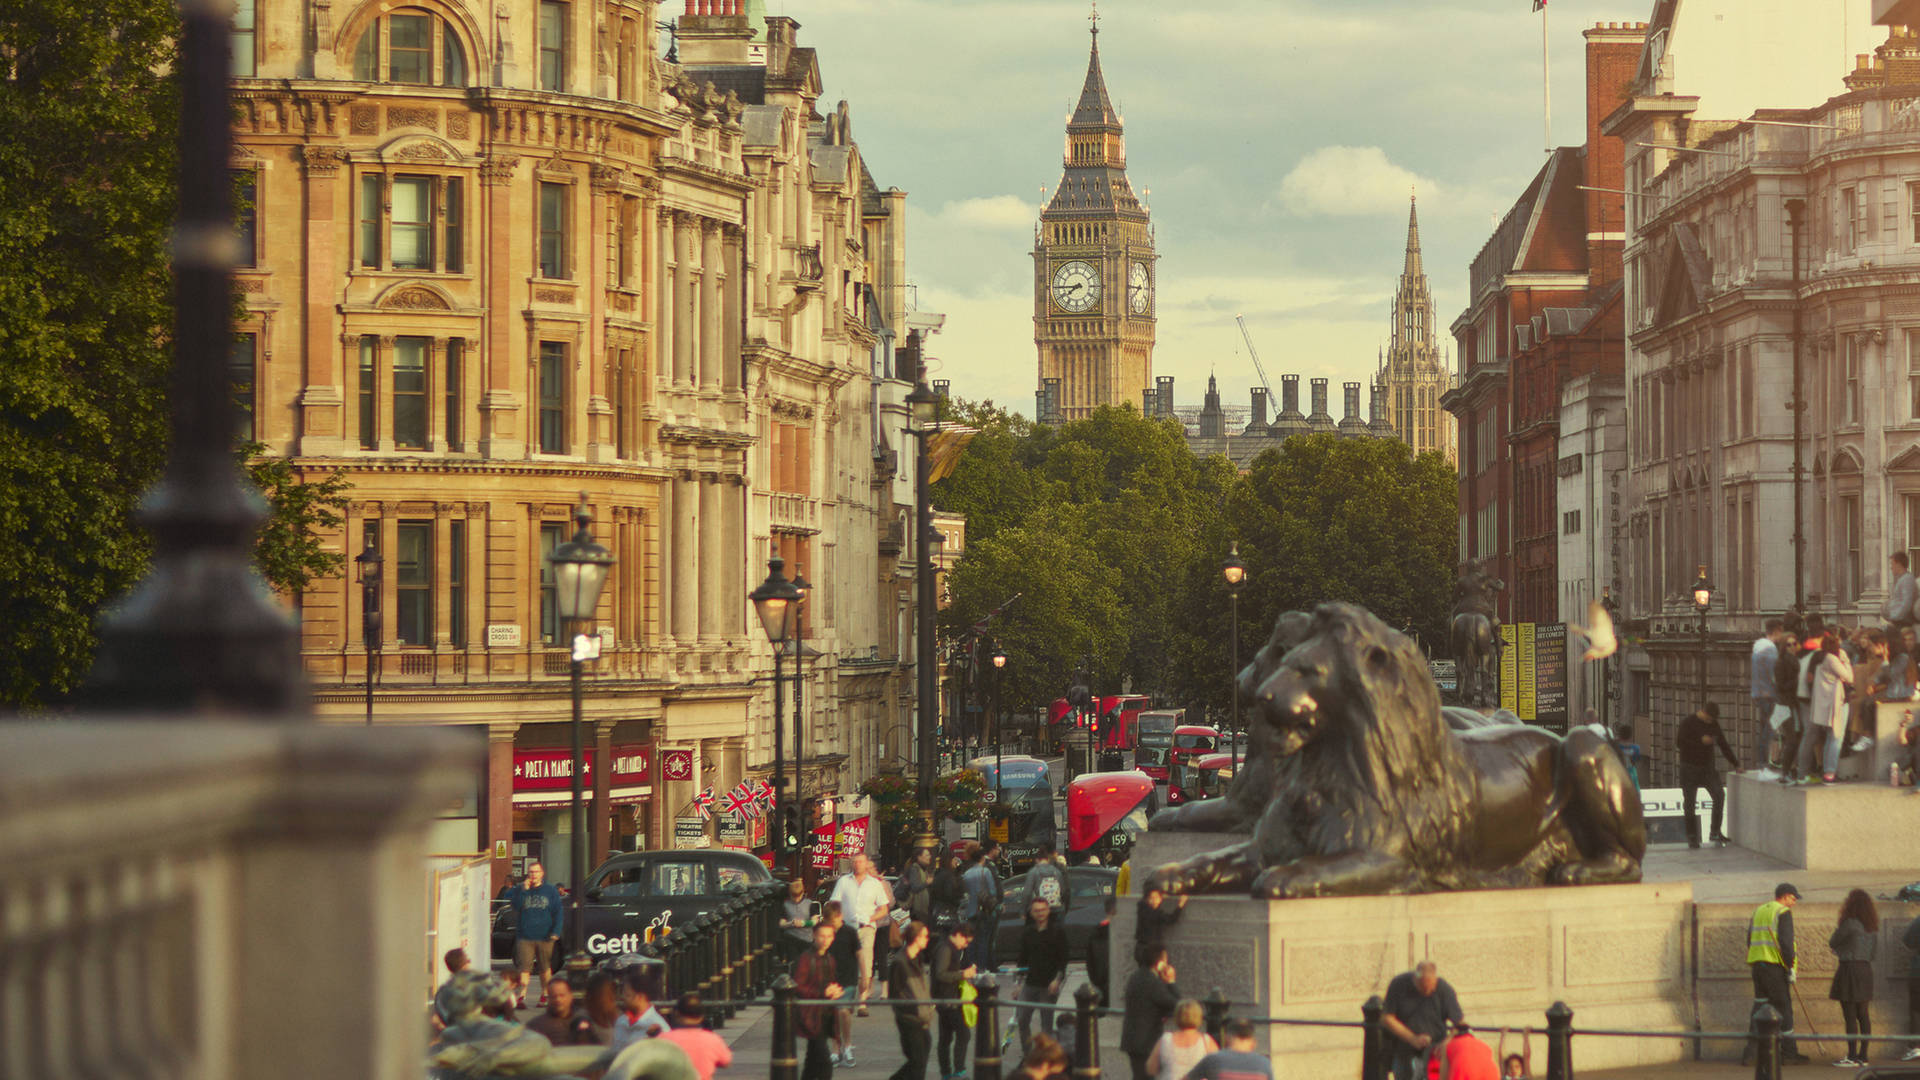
pixel 1093 262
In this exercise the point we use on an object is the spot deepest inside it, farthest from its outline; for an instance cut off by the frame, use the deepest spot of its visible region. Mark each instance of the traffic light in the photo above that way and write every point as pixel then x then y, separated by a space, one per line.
pixel 786 833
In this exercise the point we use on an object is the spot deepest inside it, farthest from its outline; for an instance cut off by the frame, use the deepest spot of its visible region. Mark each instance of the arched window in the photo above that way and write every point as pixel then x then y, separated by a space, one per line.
pixel 410 46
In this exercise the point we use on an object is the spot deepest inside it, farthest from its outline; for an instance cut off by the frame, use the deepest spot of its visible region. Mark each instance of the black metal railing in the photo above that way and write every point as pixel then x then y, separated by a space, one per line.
pixel 1763 1042
pixel 728 956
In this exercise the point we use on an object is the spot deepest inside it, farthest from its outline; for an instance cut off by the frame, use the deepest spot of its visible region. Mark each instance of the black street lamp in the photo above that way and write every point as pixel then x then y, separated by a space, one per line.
pixel 367 566
pixel 791 836
pixel 1234 571
pixel 580 569
pixel 1702 599
pixel 924 406
pixel 777 602
pixel 999 667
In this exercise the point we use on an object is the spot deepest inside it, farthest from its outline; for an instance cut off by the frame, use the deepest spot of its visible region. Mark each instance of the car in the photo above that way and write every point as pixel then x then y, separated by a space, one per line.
pixel 639 894
pixel 1090 888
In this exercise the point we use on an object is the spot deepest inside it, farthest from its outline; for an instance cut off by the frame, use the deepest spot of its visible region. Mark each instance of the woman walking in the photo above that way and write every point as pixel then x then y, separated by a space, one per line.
pixel 1853 943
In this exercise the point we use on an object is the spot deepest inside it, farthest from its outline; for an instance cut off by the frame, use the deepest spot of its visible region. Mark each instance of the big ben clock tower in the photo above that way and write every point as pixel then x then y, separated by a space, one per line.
pixel 1093 266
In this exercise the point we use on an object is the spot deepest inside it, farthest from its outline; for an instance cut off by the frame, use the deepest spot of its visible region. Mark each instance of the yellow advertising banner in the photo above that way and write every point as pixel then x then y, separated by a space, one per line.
pixel 1528 677
pixel 1509 673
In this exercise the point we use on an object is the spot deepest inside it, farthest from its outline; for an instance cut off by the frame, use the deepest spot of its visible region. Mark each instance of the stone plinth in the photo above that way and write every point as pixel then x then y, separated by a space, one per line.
pixel 1619 955
pixel 1862 826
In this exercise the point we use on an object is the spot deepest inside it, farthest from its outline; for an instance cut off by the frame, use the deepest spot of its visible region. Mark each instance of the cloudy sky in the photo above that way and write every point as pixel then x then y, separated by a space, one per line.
pixel 1279 139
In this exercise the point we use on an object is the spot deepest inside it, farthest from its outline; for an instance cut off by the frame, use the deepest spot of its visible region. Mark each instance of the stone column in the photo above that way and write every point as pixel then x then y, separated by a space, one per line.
pixel 730 307
pixel 711 339
pixel 683 300
pixel 321 401
pixel 496 800
pixel 712 566
pixel 662 583
pixel 734 561
pixel 499 435
pixel 600 815
pixel 686 560
pixel 661 316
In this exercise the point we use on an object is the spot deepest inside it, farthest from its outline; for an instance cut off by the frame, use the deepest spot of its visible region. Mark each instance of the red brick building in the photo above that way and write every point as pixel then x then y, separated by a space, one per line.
pixel 1544 309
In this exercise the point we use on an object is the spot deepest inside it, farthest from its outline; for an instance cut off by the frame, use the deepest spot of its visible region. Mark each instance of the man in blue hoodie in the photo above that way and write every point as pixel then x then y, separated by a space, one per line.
pixel 542 917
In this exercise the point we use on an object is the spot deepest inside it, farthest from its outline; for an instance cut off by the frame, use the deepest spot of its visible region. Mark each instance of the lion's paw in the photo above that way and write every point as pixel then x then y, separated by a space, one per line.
pixel 1570 873
pixel 1172 879
pixel 1279 883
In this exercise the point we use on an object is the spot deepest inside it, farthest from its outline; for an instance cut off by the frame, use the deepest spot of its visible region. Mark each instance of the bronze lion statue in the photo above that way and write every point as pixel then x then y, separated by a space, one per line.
pixel 1357 783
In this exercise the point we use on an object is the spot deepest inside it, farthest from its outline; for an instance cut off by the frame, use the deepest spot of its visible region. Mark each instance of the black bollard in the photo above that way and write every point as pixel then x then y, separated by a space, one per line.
pixel 702 945
pixel 1216 1007
pixel 1766 1063
pixel 785 1065
pixel 1373 1045
pixel 1559 1042
pixel 1086 1036
pixel 673 949
pixel 986 1029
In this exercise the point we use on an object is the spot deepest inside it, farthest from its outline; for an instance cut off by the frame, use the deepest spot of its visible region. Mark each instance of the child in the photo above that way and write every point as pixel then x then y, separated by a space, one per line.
pixel 516 988
pixel 845 951
pixel 1513 1068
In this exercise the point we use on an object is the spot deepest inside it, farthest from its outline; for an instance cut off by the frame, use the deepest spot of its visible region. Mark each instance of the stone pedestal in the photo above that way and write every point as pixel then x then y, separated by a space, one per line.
pixel 1858 826
pixel 1619 955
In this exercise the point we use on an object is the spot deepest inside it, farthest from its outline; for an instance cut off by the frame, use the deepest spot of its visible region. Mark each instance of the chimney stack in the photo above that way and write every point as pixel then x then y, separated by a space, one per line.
pixel 1163 397
pixel 1320 419
pixel 1258 425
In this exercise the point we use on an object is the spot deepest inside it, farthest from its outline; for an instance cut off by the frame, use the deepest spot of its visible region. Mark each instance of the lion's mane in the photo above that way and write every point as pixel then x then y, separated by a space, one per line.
pixel 1383 772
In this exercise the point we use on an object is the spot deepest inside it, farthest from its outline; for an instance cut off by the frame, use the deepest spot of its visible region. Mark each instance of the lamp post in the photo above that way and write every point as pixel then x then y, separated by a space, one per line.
pixel 923 405
pixel 580 569
pixel 1234 571
pixel 776 601
pixel 1702 599
pixel 789 837
pixel 999 666
pixel 367 565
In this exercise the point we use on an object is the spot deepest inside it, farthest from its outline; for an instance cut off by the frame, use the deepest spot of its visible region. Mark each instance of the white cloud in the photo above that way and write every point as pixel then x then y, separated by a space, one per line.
pixel 1345 181
pixel 1004 212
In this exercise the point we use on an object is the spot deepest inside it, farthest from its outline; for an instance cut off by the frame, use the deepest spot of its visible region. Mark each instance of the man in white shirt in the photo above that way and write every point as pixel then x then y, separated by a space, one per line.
pixel 864 900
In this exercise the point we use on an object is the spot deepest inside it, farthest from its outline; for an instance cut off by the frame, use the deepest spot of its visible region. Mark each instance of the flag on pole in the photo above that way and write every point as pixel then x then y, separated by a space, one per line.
pixel 703 802
pixel 740 803
pixel 763 794
pixel 1539 5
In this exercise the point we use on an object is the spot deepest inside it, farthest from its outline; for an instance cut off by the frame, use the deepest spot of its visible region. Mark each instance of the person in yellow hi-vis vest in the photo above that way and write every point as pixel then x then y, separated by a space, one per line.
pixel 1770 958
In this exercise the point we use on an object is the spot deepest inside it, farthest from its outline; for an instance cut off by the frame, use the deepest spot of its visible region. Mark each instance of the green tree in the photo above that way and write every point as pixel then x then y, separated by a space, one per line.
pixel 88 115
pixel 89 109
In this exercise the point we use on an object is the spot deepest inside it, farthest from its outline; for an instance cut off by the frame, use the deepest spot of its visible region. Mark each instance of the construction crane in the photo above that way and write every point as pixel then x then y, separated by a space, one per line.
pixel 1255 353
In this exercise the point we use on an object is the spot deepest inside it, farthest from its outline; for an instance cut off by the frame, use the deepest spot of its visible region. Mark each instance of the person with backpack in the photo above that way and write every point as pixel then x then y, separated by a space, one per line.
pixel 983 902
pixel 1048 881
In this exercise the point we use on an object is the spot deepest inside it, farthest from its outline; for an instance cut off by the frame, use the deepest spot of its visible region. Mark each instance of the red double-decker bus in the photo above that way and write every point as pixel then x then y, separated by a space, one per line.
pixel 1105 812
pixel 1203 777
pixel 1153 740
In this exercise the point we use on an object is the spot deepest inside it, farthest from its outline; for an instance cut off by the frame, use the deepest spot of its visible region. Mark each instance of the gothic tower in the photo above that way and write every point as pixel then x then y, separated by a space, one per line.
pixel 1413 372
pixel 1093 265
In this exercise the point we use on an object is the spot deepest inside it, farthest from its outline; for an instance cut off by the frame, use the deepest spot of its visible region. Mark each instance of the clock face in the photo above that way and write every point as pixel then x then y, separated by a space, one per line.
pixel 1139 289
pixel 1076 286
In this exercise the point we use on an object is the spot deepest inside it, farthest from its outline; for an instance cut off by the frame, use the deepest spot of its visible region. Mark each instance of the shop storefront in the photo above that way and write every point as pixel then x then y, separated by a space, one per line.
pixel 543 799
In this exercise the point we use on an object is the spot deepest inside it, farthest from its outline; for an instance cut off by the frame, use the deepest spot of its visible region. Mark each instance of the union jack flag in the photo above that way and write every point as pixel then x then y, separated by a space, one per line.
pixel 1539 5
pixel 763 795
pixel 740 802
pixel 703 802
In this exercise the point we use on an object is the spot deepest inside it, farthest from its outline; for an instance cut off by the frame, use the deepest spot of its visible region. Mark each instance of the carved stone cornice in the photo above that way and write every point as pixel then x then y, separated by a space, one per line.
pixel 792 409
pixel 688 435
pixel 606 178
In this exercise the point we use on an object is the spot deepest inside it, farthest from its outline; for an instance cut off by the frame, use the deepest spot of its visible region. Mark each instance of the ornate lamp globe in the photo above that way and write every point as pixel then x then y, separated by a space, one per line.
pixel 1233 569
pixel 1702 591
pixel 776 601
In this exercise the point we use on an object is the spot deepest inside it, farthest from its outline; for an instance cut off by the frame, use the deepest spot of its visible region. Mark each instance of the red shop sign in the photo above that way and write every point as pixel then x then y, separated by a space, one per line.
pixel 552 770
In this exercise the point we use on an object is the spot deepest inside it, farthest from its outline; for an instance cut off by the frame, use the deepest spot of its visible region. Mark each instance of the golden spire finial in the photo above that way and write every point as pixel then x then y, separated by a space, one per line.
pixel 1093 19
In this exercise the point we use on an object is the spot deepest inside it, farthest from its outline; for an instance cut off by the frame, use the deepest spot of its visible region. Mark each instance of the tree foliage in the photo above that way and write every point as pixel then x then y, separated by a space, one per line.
pixel 1113 534
pixel 89 113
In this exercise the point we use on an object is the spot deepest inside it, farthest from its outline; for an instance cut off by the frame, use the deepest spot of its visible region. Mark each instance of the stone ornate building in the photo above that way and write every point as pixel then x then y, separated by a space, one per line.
pixel 1093 268
pixel 1718 474
pixel 1413 372
pixel 500 256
